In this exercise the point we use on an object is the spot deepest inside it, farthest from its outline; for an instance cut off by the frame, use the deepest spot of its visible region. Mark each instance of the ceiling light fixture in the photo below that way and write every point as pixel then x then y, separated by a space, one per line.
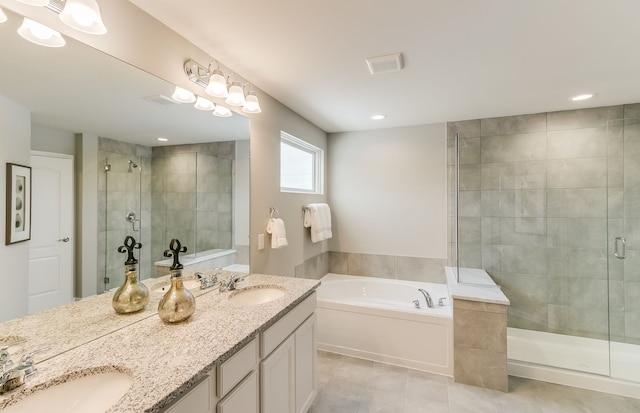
pixel 40 34
pixel 204 104
pixel 163 139
pixel 3 16
pixel 183 95
pixel 584 96
pixel 83 15
pixel 216 84
pixel 378 116
pixel 35 2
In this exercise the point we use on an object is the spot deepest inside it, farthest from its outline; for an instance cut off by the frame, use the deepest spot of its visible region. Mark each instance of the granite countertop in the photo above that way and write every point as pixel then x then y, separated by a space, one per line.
pixel 164 360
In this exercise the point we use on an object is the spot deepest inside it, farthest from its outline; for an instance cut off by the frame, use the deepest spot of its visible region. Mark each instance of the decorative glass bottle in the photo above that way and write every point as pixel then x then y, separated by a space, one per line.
pixel 178 303
pixel 132 295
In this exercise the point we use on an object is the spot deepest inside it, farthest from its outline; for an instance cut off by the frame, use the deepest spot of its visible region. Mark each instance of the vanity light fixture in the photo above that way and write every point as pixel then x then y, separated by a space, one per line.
pixel 35 2
pixel 40 34
pixel 251 104
pixel 216 84
pixel 584 96
pixel 222 112
pixel 204 104
pixel 83 15
pixel 3 16
pixel 183 95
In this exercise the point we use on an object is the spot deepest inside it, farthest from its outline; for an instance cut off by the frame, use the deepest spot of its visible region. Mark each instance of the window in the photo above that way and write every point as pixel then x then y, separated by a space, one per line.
pixel 301 165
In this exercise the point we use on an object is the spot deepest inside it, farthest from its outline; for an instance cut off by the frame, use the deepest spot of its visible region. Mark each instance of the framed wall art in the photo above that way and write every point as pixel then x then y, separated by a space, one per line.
pixel 18 203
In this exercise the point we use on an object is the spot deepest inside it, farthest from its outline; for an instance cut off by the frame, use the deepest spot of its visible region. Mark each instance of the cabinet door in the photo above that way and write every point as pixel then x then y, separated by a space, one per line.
pixel 305 351
pixel 195 401
pixel 243 399
pixel 277 379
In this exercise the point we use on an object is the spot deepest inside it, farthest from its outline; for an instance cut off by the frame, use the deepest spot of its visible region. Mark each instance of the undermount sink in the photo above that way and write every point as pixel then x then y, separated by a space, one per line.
pixel 189 284
pixel 93 393
pixel 256 295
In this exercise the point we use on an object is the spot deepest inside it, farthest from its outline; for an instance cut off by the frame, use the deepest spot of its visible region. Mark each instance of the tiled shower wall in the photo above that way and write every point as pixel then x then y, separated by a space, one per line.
pixel 541 199
pixel 192 188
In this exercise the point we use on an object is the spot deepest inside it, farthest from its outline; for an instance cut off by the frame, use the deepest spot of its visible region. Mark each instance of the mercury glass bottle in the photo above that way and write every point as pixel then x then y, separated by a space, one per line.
pixel 132 296
pixel 178 304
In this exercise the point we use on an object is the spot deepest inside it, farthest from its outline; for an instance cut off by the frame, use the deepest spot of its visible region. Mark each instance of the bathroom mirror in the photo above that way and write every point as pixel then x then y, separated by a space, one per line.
pixel 77 89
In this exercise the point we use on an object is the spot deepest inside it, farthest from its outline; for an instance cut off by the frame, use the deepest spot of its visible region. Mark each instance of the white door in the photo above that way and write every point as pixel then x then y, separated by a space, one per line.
pixel 52 246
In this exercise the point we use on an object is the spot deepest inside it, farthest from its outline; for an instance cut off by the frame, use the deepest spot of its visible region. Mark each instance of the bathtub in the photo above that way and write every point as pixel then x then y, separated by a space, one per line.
pixel 204 259
pixel 376 319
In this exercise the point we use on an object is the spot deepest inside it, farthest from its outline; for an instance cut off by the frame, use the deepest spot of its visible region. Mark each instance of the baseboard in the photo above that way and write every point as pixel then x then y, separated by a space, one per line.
pixel 574 379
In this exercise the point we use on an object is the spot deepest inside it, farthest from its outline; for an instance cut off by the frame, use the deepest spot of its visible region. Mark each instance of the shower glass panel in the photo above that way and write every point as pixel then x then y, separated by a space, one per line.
pixel 549 206
pixel 127 201
pixel 624 245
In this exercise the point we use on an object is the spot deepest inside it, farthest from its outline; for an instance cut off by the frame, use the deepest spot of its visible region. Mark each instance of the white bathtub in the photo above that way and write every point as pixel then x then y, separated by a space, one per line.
pixel 205 259
pixel 376 319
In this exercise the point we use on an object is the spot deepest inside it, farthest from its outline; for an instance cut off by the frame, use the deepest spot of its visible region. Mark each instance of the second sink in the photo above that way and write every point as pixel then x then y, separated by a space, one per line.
pixel 256 295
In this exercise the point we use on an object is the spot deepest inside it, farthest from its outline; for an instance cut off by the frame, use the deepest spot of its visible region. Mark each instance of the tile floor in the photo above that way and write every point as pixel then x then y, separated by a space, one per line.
pixel 350 385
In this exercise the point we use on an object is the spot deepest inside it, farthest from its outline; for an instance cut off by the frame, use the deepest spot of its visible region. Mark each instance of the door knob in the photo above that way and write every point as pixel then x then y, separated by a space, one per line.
pixel 65 239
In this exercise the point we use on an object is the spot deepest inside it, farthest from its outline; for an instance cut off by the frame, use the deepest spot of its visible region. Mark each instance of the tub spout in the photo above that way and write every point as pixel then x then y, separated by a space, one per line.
pixel 427 297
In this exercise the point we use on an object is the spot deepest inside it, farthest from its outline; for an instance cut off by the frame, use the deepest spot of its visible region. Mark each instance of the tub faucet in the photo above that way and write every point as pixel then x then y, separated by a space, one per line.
pixel 427 297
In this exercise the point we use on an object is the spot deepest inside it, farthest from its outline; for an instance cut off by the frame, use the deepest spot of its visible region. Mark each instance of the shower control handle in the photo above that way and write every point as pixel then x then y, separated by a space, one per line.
pixel 620 254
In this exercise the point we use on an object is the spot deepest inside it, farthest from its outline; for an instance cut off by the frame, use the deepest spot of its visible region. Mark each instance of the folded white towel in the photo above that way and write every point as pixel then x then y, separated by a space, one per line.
pixel 318 218
pixel 275 227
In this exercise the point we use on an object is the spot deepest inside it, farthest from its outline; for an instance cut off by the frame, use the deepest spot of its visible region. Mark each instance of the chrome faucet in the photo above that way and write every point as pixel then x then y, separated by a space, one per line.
pixel 205 281
pixel 427 298
pixel 17 376
pixel 231 284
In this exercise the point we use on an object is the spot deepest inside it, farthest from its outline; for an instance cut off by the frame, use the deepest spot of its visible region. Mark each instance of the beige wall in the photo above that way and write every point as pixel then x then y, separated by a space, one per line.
pixel 15 147
pixel 387 190
pixel 52 140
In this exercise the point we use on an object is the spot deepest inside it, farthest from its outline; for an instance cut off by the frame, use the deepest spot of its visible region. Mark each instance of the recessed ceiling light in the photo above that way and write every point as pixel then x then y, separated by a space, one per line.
pixel 584 96
pixel 378 116
pixel 163 139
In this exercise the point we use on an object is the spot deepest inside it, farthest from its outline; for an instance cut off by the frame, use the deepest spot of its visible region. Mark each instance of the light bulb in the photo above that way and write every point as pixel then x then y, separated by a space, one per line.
pixel 217 86
pixel 222 112
pixel 236 95
pixel 204 104
pixel 83 15
pixel 183 95
pixel 251 104
pixel 40 34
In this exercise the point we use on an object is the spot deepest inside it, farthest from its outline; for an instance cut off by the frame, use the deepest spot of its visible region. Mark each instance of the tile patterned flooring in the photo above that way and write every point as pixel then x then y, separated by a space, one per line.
pixel 350 385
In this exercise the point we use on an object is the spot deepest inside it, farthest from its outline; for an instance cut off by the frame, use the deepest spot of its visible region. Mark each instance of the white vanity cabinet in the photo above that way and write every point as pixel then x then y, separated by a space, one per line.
pixel 288 366
pixel 274 373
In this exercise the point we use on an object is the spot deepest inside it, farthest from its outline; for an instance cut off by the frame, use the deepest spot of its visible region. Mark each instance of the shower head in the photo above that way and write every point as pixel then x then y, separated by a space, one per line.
pixel 132 165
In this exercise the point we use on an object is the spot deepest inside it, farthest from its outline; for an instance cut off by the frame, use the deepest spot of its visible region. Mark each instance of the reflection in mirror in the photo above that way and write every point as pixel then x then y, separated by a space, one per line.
pixel 78 90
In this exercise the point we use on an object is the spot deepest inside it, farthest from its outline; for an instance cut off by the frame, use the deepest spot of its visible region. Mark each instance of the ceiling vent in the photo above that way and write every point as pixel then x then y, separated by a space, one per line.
pixel 160 99
pixel 385 64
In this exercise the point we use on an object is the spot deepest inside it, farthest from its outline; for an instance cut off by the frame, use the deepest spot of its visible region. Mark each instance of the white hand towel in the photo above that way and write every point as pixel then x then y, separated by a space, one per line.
pixel 275 227
pixel 318 218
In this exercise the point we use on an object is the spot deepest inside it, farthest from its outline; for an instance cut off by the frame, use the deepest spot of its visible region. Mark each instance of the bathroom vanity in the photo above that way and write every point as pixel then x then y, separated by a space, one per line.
pixel 232 355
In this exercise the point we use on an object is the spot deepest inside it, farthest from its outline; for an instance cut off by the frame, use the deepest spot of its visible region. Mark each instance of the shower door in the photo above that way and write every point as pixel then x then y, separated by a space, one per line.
pixel 624 245
pixel 127 203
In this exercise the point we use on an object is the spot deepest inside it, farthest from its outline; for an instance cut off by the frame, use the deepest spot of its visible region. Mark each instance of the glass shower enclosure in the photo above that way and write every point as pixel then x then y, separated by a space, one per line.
pixel 549 205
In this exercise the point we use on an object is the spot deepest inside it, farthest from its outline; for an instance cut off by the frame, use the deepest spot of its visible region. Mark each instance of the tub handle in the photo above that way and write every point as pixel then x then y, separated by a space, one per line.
pixel 416 303
pixel 441 301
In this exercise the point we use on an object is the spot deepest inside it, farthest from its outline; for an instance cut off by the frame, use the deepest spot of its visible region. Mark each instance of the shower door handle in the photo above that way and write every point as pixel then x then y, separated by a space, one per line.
pixel 617 251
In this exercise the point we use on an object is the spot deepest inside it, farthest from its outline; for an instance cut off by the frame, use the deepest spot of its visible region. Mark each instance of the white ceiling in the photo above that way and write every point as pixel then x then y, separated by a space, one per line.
pixel 464 59
pixel 79 89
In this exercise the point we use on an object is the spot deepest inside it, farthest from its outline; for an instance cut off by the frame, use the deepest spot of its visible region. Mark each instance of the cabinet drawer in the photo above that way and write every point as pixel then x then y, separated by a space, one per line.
pixel 243 399
pixel 277 333
pixel 232 371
